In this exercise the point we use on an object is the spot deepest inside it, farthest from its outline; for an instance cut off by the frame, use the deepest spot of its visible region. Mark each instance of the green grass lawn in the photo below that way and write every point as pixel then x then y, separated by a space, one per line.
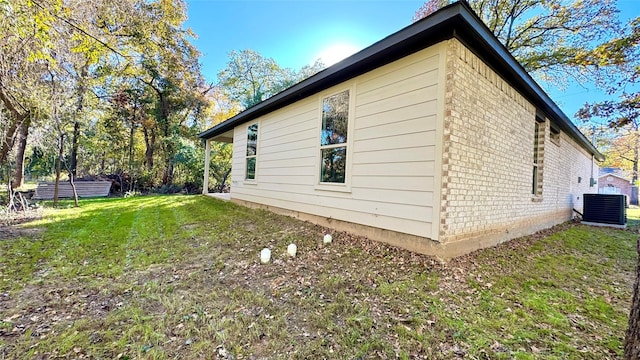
pixel 633 218
pixel 179 277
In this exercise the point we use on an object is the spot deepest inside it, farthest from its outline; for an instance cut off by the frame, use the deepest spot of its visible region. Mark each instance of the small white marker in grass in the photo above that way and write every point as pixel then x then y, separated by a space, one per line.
pixel 265 255
pixel 327 239
pixel 292 249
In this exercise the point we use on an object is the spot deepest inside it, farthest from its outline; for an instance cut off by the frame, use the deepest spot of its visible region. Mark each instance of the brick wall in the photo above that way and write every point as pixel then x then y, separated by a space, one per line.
pixel 488 159
pixel 614 181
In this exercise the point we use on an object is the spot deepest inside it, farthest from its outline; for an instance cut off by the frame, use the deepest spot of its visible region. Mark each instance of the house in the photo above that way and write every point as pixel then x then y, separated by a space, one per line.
pixel 615 181
pixel 433 139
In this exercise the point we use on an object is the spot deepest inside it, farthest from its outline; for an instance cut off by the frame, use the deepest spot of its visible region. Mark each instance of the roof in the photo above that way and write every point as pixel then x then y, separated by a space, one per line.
pixel 619 173
pixel 453 21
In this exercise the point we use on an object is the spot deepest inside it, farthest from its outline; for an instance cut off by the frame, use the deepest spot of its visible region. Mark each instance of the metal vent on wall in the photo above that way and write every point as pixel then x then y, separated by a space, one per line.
pixel 605 209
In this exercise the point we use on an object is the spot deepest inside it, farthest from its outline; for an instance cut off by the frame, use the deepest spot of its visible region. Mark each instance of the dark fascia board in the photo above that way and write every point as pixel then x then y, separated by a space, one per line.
pixel 455 20
pixel 505 64
pixel 411 39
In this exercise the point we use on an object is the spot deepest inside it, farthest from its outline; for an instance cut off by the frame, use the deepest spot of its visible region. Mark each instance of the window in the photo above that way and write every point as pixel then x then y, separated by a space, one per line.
pixel 538 156
pixel 252 152
pixel 333 138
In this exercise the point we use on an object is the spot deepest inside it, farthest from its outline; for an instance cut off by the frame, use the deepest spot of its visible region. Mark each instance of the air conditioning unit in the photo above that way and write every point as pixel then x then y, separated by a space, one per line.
pixel 605 209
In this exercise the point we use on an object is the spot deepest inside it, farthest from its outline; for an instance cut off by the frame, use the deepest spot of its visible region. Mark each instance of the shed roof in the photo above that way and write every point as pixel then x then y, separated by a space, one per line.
pixel 453 21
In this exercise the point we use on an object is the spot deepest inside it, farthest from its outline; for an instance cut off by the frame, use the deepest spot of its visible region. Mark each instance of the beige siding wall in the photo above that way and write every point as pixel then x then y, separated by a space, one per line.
pixel 394 160
pixel 488 160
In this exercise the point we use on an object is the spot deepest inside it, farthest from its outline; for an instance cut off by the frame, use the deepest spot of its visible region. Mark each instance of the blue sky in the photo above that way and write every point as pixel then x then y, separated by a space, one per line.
pixel 291 32
pixel 295 33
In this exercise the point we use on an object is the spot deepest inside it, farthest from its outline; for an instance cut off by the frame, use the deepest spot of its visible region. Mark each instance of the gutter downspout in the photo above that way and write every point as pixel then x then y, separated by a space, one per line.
pixel 592 180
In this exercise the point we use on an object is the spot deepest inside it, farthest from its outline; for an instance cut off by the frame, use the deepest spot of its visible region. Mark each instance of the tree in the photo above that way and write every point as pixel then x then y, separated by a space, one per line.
pixel 251 78
pixel 169 68
pixel 621 123
pixel 21 141
pixel 222 108
pixel 101 86
pixel 554 40
pixel 619 120
pixel 26 38
pixel 39 36
pixel 60 114
pixel 632 337
pixel 220 167
pixel 618 148
pixel 623 118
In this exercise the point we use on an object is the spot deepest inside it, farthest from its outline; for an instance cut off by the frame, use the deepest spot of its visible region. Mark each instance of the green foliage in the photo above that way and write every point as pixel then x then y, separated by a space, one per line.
pixel 579 41
pixel 251 78
pixel 552 39
pixel 220 166
pixel 189 160
pixel 617 123
pixel 40 164
pixel 146 180
pixel 118 86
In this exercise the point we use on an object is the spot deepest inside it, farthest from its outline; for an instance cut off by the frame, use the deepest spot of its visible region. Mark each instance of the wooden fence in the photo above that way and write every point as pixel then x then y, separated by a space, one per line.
pixel 44 190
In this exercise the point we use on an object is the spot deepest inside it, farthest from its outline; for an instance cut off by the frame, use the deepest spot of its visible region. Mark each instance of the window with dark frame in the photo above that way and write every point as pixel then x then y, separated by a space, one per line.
pixel 333 138
pixel 252 152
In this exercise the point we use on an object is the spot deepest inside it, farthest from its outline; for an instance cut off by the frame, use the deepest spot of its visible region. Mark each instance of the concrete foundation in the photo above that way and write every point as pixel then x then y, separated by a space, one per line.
pixel 423 245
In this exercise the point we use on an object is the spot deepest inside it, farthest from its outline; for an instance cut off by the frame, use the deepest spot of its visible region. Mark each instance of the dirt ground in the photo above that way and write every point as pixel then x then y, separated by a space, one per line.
pixel 9 223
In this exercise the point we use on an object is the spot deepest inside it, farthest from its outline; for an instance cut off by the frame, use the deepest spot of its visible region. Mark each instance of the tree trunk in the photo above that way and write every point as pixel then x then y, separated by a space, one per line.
pixel 131 135
pixel 18 175
pixel 102 161
pixel 76 124
pixel 632 339
pixel 10 205
pixel 73 162
pixel 167 144
pixel 634 179
pixel 16 119
pixel 58 170
pixel 636 158
pixel 221 186
pixel 73 187
pixel 167 175
pixel 150 143
pixel 10 137
pixel 7 142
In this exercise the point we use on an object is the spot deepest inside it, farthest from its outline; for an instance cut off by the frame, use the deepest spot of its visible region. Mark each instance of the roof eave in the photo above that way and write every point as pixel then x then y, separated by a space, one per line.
pixel 376 55
pixel 441 25
pixel 527 83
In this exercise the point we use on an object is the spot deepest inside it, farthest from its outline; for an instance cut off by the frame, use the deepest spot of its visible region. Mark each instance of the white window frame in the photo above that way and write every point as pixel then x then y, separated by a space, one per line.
pixel 247 157
pixel 337 187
